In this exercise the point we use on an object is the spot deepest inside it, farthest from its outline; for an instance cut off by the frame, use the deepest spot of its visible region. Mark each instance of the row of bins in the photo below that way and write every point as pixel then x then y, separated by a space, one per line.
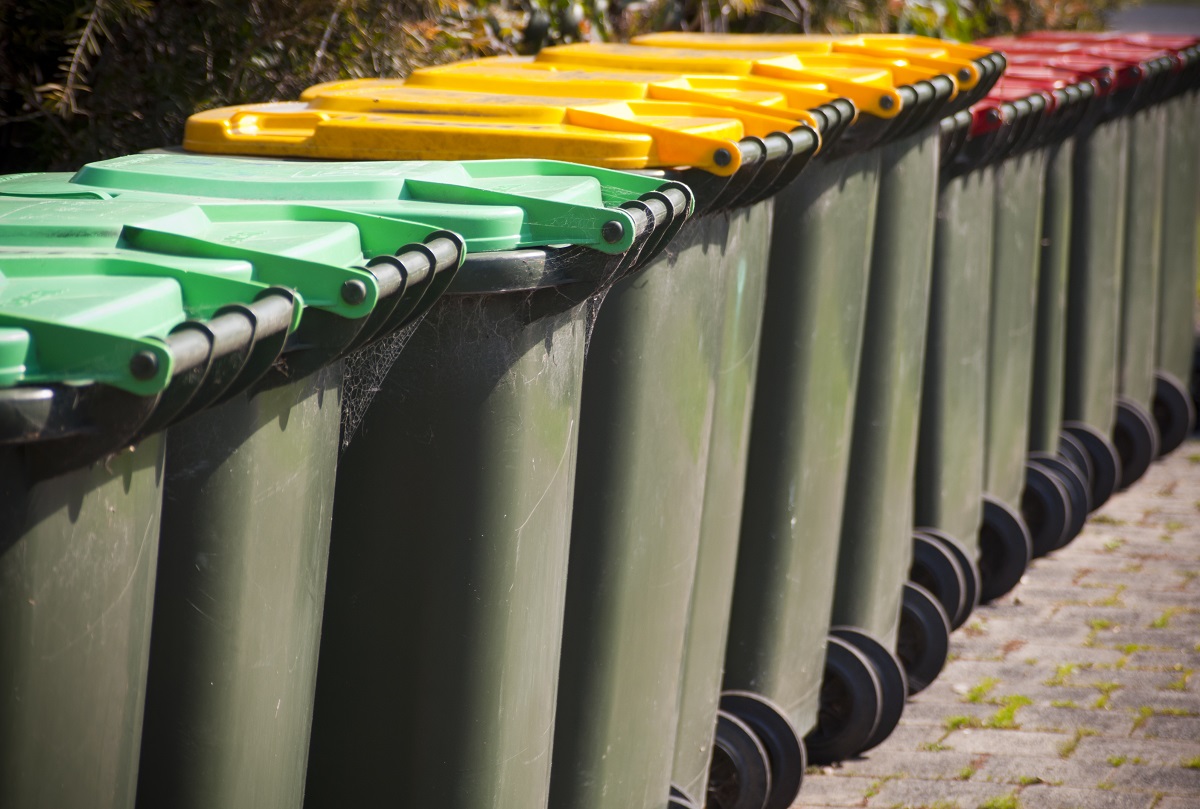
pixel 337 472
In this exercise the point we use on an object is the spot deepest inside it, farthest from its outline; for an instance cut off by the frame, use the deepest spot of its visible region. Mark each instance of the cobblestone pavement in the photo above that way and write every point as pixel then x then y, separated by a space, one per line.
pixel 1075 690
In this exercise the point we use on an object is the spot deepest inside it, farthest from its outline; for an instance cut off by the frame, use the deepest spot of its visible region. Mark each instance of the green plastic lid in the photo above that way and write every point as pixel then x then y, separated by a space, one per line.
pixel 493 205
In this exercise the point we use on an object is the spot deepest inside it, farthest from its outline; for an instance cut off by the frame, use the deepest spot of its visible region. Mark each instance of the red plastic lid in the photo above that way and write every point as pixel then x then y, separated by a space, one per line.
pixel 1104 71
pixel 1015 89
pixel 986 116
pixel 1161 42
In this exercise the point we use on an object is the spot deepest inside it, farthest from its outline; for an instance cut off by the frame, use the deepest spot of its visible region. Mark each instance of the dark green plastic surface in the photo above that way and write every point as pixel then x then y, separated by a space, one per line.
pixel 1049 356
pixel 876 540
pixel 800 434
pixel 950 448
pixel 1020 180
pixel 1177 283
pixel 1143 255
pixel 745 285
pixel 649 396
pixel 247 503
pixel 77 560
pixel 440 646
pixel 1094 286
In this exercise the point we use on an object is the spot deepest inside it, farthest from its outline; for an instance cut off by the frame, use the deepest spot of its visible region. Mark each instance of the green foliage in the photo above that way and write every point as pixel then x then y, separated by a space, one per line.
pixel 85 79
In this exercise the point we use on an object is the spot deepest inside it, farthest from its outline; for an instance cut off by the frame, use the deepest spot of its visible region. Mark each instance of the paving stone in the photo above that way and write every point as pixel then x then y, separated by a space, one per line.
pixel 946 764
pixel 1150 752
pixel 936 713
pixel 1041 796
pixel 1177 779
pixel 1005 742
pixel 1024 770
pixel 1065 720
pixel 833 790
pixel 1183 728
pixel 1176 803
pixel 915 793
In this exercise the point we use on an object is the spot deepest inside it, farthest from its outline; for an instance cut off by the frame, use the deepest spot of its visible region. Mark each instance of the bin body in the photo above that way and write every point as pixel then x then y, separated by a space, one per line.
pixel 1020 180
pixel 1142 254
pixel 247 504
pixel 77 561
pixel 1049 355
pixel 440 646
pixel 876 538
pixel 743 293
pixel 800 435
pixel 950 448
pixel 1177 287
pixel 650 391
pixel 1094 286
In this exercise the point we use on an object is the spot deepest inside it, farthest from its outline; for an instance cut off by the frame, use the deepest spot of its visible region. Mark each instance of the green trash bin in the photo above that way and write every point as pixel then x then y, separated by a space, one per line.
pixel 1094 412
pixel 237 343
pixel 1058 465
pixel 948 490
pixel 815 289
pixel 1170 405
pixel 1174 411
pixel 675 294
pixel 213 518
pixel 79 520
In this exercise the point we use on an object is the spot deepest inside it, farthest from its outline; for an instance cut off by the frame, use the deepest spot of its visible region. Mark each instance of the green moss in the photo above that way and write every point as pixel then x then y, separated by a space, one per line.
pixel 1009 801
pixel 1006 717
pixel 1064 703
pixel 979 692
pixel 965 773
pixel 1191 763
pixel 953 723
pixel 1104 519
pixel 1116 761
pixel 1067 748
pixel 1164 620
pixel 1062 673
pixel 1143 713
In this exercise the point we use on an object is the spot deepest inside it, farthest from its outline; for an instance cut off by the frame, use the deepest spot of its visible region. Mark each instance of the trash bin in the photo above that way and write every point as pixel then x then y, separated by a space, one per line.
pixel 677 301
pixel 1171 407
pixel 1099 180
pixel 948 500
pixel 157 324
pixel 184 713
pixel 736 776
pixel 1140 76
pixel 1055 501
pixel 781 573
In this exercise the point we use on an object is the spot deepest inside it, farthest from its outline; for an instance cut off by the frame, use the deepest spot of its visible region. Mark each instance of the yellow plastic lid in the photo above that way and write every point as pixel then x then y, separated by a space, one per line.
pixel 417 124
pixel 871 88
pixel 748 94
pixel 947 58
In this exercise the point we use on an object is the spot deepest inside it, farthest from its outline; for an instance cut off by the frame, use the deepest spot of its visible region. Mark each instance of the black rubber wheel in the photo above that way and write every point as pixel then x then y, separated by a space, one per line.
pixel 851 705
pixel 1072 449
pixel 680 800
pixel 1136 438
pixel 1045 508
pixel 893 682
pixel 1005 549
pixel 1106 463
pixel 1073 480
pixel 785 750
pixel 937 570
pixel 739 776
pixel 970 569
pixel 924 638
pixel 1174 412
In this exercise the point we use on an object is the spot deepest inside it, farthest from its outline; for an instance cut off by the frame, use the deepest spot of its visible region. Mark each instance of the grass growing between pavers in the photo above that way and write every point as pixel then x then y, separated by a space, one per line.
pixel 1068 747
pixel 1009 801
